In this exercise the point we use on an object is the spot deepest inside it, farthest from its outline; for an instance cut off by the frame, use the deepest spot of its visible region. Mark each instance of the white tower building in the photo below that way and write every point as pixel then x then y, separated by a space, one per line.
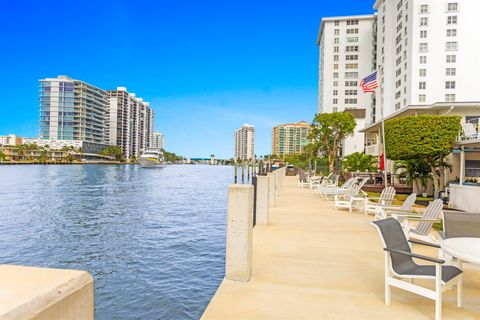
pixel 347 55
pixel 244 139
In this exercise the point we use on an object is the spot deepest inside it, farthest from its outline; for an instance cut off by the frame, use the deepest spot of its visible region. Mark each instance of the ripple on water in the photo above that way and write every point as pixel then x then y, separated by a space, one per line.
pixel 154 240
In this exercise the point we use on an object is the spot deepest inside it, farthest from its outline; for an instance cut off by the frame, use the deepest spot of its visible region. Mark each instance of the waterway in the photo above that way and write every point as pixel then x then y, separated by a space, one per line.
pixel 153 239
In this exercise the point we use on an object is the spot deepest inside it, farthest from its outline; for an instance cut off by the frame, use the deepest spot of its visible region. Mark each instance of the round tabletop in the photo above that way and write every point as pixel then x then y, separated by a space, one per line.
pixel 465 249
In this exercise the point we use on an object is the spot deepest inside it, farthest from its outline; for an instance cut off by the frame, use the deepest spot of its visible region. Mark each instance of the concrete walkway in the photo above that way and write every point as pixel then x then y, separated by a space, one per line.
pixel 313 262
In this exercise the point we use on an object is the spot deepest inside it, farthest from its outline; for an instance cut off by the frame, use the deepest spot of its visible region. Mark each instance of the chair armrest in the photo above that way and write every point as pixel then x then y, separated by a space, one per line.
pixel 423 220
pixel 424 243
pixel 415 255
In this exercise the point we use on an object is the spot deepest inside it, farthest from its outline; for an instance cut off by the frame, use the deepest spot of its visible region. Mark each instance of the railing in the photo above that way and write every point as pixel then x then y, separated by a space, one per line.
pixel 373 150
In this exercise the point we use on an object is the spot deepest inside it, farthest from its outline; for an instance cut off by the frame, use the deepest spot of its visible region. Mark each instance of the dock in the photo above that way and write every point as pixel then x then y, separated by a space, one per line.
pixel 314 262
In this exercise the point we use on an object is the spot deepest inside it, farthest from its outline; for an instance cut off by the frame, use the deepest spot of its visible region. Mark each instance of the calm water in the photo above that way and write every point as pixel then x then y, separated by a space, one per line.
pixel 153 239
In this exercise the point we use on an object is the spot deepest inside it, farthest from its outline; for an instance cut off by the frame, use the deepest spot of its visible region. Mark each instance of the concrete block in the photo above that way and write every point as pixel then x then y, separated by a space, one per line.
pixel 262 200
pixel 45 294
pixel 239 233
pixel 271 189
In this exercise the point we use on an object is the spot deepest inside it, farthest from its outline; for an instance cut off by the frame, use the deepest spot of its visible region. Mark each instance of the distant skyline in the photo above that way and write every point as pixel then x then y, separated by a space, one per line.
pixel 206 67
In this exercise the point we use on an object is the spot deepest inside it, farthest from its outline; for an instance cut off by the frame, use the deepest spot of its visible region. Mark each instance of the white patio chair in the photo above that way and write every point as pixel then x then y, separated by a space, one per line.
pixel 303 180
pixel 421 231
pixel 347 200
pixel 328 191
pixel 400 266
pixel 406 207
pixel 386 198
pixel 469 131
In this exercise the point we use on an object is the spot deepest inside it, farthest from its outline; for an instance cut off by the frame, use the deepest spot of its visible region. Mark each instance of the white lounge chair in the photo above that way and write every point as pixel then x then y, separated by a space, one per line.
pixel 383 212
pixel 469 131
pixel 422 230
pixel 400 266
pixel 347 200
pixel 327 191
pixel 385 199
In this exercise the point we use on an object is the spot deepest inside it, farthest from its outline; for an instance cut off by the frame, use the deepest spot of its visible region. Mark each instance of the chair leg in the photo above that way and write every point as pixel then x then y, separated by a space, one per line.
pixel 438 292
pixel 387 275
pixel 459 285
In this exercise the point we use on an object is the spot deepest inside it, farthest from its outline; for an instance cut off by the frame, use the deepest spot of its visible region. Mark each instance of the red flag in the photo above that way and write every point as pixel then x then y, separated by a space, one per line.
pixel 382 162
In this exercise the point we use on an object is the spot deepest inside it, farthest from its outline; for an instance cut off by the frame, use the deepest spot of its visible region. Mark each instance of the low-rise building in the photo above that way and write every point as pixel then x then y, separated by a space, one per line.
pixel 10 140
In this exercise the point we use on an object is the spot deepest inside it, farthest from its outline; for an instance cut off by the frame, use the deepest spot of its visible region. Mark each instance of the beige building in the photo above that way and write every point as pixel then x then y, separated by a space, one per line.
pixel 290 138
pixel 244 139
pixel 10 140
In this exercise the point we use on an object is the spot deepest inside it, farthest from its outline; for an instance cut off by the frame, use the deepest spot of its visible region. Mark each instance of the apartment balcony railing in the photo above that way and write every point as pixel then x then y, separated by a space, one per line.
pixel 470 131
pixel 373 150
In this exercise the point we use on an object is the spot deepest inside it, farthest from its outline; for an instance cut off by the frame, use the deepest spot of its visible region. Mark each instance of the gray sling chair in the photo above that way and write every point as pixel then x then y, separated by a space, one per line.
pixel 399 265
pixel 460 224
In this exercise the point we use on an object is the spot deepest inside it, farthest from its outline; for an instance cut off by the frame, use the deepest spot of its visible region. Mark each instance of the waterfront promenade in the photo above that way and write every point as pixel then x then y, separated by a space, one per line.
pixel 313 262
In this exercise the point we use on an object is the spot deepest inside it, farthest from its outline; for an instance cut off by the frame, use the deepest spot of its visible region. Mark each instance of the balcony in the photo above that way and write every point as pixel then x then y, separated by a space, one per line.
pixel 470 132
pixel 373 150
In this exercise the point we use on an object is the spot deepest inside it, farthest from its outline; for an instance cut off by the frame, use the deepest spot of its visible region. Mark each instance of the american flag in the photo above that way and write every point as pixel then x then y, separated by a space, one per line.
pixel 369 83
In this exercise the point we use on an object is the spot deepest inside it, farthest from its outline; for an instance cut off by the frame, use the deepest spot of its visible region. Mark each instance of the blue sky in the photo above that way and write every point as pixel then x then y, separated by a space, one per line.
pixel 207 67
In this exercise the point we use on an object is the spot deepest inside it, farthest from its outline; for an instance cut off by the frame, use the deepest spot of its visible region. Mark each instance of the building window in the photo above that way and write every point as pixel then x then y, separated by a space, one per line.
pixel 422 72
pixel 398 83
pixel 336 32
pixel 351 48
pixel 350 92
pixel 351 75
pixel 422 98
pixel 423 34
pixel 335 109
pixel 422 85
pixel 452 7
pixel 451 46
pixel 350 101
pixel 449 97
pixel 337 23
pixel 423 22
pixel 450 71
pixel 335 66
pixel 351 57
pixel 398 72
pixel 352 39
pixel 352 22
pixel 335 49
pixel 451 20
pixel 451 58
pixel 397 105
pixel 351 66
pixel 335 83
pixel 335 101
pixel 335 41
pixel 335 75
pixel 352 31
pixel 423 59
pixel 423 47
pixel 424 8
pixel 399 60
pixel 451 32
pixel 351 83
pixel 335 92
pixel 335 57
pixel 398 94
pixel 449 84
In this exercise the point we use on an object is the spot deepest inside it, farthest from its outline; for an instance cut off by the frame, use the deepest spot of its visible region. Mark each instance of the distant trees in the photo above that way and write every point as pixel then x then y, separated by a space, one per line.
pixel 113 151
pixel 424 137
pixel 171 156
pixel 328 130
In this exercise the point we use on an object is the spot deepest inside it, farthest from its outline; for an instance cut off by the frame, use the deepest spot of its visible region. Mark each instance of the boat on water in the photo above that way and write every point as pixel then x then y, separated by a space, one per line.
pixel 152 158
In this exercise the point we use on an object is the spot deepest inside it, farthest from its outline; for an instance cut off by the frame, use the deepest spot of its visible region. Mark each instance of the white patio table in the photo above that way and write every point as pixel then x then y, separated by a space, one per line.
pixel 464 249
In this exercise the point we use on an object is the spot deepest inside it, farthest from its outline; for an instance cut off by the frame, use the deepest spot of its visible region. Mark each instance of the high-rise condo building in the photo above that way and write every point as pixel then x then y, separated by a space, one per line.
pixel 347 55
pixel 427 53
pixel 158 140
pixel 72 110
pixel 290 138
pixel 244 139
pixel 131 122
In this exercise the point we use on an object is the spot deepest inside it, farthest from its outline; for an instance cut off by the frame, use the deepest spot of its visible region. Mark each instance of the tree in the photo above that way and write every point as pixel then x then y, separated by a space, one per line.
pixel 416 171
pixel 427 137
pixel 113 151
pixel 2 156
pixel 328 130
pixel 359 162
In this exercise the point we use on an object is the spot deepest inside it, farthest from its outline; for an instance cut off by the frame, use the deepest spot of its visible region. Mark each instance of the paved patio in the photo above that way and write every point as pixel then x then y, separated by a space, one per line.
pixel 313 262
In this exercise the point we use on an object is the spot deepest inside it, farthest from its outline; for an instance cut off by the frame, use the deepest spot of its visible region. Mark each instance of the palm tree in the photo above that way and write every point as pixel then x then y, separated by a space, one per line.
pixel 359 162
pixel 417 172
